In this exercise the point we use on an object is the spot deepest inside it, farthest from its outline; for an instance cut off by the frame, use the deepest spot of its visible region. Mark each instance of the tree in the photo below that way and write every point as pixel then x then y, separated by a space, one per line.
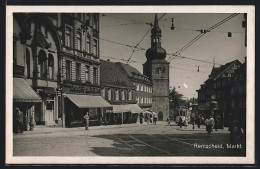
pixel 176 99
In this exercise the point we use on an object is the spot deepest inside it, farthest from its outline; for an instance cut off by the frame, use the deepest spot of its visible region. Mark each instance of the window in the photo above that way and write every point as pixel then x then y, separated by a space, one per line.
pixel 68 70
pixel 141 88
pixel 88 44
pixel 137 87
pixel 51 66
pixel 77 71
pixel 95 52
pixel 130 95
pixel 78 41
pixel 28 63
pixel 117 94
pixel 137 99
pixel 42 65
pixel 87 73
pixel 123 95
pixel 142 100
pixel 163 70
pixel 95 76
pixel 103 93
pixel 68 36
pixel 109 94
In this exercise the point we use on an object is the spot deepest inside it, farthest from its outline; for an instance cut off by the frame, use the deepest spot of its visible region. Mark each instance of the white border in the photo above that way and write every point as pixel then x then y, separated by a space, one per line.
pixel 250 137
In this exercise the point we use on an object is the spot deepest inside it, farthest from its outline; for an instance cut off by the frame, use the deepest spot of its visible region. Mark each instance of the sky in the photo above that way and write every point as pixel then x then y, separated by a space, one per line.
pixel 129 29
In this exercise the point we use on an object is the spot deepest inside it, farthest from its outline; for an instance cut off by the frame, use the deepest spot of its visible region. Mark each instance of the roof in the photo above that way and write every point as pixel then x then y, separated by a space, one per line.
pixel 131 72
pixel 111 74
pixel 88 101
pixel 217 71
pixel 23 92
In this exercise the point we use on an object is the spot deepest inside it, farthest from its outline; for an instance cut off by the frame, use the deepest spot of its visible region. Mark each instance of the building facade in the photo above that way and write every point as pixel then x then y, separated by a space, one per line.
pixel 119 91
pixel 218 88
pixel 157 69
pixel 58 56
pixel 143 92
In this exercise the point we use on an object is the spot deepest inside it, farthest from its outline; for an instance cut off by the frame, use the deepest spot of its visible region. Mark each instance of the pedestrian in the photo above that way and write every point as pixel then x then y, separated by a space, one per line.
pixel 236 133
pixel 180 122
pixel 209 125
pixel 216 125
pixel 168 121
pixel 155 119
pixel 141 120
pixel 198 122
pixel 86 117
pixel 18 120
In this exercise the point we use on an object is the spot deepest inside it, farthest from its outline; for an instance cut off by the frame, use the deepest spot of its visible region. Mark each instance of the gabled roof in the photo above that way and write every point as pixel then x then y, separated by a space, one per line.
pixel 111 74
pixel 218 71
pixel 131 72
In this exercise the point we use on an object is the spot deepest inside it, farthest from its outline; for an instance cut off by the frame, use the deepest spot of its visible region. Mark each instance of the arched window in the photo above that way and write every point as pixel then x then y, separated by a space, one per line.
pixel 51 66
pixel 28 62
pixel 42 65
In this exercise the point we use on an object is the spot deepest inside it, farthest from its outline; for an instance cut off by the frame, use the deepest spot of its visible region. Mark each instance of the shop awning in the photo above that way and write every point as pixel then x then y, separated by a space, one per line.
pixel 133 108
pixel 88 101
pixel 23 92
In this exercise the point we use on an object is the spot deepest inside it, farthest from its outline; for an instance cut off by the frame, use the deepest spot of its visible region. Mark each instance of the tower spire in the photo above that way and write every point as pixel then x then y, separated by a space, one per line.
pixel 156 21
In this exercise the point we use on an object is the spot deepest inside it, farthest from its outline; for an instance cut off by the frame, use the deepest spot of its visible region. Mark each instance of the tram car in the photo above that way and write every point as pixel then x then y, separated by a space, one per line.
pixel 184 114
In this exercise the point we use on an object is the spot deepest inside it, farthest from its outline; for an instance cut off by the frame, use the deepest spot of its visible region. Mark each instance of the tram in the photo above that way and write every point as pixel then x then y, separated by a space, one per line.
pixel 184 114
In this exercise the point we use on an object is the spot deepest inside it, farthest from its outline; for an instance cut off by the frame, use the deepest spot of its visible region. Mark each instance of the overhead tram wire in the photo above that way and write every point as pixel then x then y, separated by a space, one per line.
pixel 131 46
pixel 134 61
pixel 143 38
pixel 185 47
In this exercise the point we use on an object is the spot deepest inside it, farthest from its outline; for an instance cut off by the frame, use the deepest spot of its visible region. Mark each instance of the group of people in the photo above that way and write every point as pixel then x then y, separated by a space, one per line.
pixel 152 120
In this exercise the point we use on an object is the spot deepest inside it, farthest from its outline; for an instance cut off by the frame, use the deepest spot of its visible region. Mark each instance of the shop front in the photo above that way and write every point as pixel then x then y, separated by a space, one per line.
pixel 127 113
pixel 76 106
pixel 26 99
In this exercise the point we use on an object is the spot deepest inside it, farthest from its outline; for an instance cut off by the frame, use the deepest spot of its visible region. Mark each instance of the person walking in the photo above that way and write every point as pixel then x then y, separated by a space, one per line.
pixel 180 122
pixel 155 119
pixel 18 120
pixel 86 117
pixel 209 125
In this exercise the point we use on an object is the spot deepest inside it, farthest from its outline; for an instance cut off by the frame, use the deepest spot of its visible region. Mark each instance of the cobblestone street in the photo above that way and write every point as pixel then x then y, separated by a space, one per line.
pixel 123 140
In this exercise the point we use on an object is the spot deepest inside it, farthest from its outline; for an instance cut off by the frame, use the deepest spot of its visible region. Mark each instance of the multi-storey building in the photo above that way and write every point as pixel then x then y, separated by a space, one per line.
pixel 119 91
pixel 143 92
pixel 58 56
pixel 238 95
pixel 218 87
pixel 156 68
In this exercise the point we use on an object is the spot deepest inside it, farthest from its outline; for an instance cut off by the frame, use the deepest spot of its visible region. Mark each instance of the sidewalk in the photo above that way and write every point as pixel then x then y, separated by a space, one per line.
pixel 41 129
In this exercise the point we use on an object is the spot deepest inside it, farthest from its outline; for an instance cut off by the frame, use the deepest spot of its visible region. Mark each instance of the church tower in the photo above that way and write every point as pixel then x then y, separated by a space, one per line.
pixel 157 69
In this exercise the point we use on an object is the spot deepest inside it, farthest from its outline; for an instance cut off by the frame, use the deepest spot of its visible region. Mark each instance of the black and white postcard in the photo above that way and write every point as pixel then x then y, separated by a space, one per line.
pixel 130 84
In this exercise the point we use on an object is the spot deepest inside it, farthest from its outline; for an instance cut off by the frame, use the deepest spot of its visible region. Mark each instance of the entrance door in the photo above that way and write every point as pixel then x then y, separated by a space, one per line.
pixel 49 113
pixel 160 116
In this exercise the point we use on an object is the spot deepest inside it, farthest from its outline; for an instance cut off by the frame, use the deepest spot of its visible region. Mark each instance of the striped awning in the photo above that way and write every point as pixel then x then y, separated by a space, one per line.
pixel 88 101
pixel 23 92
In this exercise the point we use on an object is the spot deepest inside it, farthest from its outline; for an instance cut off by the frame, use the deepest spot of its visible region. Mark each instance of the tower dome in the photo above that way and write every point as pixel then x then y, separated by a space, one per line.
pixel 156 51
